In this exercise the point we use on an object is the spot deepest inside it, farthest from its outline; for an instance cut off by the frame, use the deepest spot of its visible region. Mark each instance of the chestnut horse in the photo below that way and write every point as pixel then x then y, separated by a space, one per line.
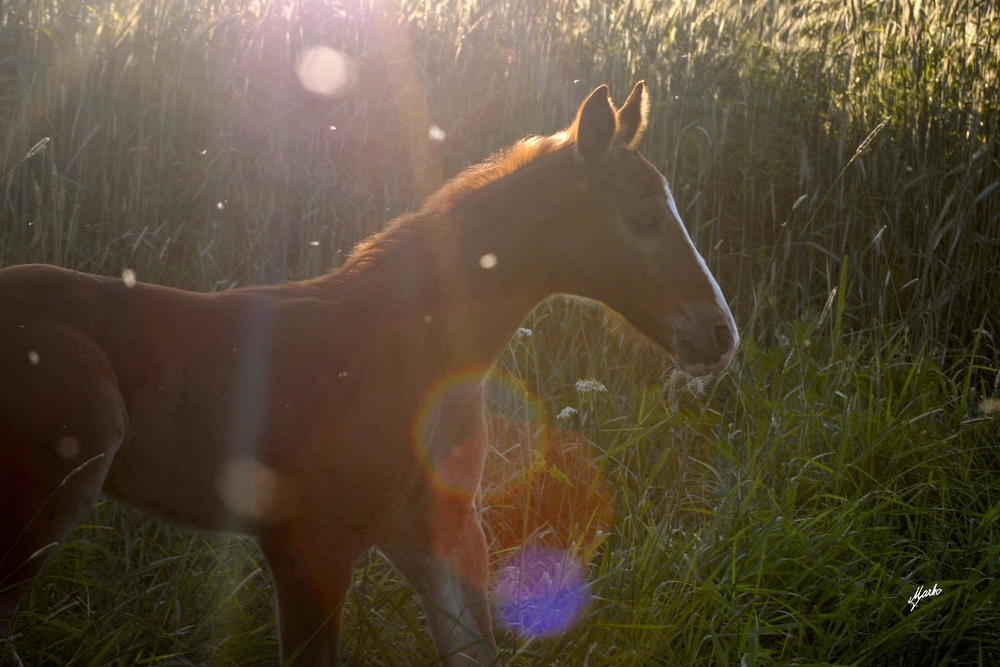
pixel 300 413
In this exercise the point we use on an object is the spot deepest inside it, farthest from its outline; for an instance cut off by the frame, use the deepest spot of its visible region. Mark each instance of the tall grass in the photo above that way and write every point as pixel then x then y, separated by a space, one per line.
pixel 780 513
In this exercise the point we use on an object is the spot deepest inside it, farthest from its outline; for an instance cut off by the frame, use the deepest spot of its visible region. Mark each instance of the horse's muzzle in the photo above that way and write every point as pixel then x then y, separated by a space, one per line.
pixel 708 347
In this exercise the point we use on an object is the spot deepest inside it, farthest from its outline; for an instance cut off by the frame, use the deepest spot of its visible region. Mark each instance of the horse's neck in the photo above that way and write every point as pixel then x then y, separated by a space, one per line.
pixel 438 276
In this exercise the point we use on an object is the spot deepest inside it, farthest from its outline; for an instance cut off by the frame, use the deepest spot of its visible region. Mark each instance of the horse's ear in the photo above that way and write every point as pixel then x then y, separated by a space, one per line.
pixel 595 126
pixel 632 116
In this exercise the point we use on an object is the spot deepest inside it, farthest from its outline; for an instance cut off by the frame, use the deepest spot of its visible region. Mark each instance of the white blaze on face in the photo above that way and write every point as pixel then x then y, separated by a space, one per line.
pixel 720 300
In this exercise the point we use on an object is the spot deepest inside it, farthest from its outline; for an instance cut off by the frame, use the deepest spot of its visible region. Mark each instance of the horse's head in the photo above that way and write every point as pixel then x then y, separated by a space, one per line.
pixel 630 249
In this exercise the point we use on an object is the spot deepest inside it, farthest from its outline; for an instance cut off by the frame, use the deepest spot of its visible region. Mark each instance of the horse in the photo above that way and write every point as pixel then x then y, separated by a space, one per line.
pixel 310 414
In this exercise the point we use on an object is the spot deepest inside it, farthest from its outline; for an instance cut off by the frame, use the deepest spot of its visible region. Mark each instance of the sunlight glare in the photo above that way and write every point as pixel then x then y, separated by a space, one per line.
pixel 250 488
pixel 436 134
pixel 326 72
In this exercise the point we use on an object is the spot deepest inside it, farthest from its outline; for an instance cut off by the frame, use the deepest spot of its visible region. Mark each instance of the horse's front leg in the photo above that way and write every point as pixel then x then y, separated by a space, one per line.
pixel 311 588
pixel 446 562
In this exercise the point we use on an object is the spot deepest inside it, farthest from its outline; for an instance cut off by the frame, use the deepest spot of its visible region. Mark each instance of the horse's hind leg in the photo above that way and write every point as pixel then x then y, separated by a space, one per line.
pixel 61 422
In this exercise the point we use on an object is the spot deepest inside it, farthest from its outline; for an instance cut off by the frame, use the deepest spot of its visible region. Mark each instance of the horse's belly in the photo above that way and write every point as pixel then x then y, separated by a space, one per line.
pixel 206 480
pixel 174 481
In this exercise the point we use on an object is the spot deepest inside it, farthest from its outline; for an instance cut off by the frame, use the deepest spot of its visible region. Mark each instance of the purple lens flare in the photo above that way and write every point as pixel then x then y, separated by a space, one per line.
pixel 541 592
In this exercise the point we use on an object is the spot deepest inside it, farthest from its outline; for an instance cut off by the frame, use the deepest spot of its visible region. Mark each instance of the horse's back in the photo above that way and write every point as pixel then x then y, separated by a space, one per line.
pixel 34 292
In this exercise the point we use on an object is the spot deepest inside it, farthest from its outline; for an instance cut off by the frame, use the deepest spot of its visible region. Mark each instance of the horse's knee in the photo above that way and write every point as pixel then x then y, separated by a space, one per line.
pixel 458 541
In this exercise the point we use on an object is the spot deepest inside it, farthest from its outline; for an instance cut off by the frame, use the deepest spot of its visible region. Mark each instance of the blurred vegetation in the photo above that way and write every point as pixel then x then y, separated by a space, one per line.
pixel 838 165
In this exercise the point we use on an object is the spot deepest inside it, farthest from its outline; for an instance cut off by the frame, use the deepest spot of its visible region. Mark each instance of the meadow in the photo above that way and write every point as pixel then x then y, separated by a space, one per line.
pixel 837 164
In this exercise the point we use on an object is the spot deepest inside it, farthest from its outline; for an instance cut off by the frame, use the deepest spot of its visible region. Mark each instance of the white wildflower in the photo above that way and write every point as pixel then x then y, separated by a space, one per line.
pixel 589 386
pixel 990 406
pixel 566 413
pixel 523 332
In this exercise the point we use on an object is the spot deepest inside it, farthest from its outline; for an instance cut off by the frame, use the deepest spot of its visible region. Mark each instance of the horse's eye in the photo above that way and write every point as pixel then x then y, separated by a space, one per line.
pixel 645 226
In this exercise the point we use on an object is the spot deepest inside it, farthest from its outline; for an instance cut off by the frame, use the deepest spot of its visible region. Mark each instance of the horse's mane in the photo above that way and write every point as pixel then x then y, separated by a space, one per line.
pixel 496 167
pixel 370 250
pixel 402 229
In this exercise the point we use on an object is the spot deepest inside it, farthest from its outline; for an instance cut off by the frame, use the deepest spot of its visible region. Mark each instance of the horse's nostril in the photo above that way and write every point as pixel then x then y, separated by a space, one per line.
pixel 723 338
